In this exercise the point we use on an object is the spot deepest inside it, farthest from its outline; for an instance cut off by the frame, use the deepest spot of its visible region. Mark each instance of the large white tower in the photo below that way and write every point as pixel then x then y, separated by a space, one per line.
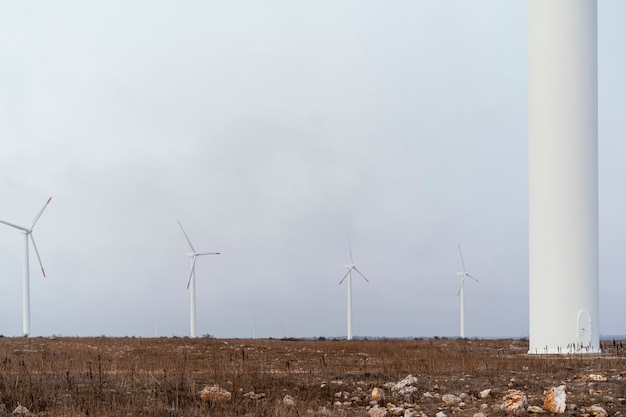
pixel 563 176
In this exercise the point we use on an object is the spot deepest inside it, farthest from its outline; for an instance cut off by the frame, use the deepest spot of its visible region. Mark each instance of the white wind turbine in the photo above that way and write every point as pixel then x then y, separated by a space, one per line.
pixel 191 284
pixel 351 266
pixel 28 231
pixel 461 292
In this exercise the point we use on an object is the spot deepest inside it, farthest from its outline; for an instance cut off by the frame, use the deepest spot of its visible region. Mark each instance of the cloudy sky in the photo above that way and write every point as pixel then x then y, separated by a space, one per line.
pixel 273 131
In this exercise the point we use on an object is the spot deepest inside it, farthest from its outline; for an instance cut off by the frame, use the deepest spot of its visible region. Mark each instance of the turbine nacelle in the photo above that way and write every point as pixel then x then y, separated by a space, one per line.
pixel 194 254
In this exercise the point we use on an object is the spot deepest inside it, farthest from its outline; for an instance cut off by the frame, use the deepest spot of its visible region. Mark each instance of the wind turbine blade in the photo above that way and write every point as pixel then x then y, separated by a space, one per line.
pixel 350 249
pixel 461 287
pixel 40 213
pixel 208 253
pixel 193 269
pixel 462 262
pixel 345 276
pixel 472 277
pixel 14 225
pixel 32 239
pixel 361 274
pixel 186 237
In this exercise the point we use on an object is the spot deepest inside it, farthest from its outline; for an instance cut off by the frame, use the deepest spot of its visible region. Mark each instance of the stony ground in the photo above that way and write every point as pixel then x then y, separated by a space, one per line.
pixel 200 377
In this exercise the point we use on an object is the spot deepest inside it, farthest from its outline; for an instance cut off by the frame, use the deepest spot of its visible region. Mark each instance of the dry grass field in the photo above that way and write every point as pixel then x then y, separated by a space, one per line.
pixel 163 377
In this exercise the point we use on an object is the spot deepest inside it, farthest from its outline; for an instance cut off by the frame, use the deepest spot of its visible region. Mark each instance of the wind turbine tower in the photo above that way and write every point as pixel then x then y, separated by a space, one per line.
pixel 461 293
pixel 563 176
pixel 351 267
pixel 28 232
pixel 191 284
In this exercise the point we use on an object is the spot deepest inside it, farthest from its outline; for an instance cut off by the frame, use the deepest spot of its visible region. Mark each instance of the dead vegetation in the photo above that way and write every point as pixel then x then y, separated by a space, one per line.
pixel 164 377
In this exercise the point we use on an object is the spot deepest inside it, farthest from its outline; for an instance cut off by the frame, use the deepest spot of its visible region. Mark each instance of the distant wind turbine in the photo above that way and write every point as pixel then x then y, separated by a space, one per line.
pixel 28 231
pixel 461 292
pixel 191 284
pixel 351 266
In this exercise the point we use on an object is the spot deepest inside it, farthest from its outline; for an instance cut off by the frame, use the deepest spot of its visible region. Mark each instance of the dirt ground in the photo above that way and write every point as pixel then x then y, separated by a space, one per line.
pixel 165 377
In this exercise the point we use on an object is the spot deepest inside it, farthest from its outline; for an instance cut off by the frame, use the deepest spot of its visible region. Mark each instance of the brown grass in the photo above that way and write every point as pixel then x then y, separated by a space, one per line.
pixel 162 377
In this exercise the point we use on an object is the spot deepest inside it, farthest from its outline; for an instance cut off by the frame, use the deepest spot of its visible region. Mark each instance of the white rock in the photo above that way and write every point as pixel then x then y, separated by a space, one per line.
pixel 409 380
pixel 441 414
pixel 377 411
pixel 450 399
pixel 514 401
pixel 484 393
pixel 594 378
pixel 289 401
pixel 427 395
pixel 535 409
pixel 254 396
pixel 377 394
pixel 215 394
pixel 555 400
pixel 396 411
pixel 597 411
pixel 410 390
pixel 480 414
pixel 20 409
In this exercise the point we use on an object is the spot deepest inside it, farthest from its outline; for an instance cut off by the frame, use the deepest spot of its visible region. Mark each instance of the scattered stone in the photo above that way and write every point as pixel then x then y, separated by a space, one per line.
pixel 594 378
pixel 377 411
pixel 396 411
pixel 535 409
pixel 408 391
pixel 410 380
pixel 324 412
pixel 597 411
pixel 450 399
pixel 377 395
pixel 253 396
pixel 427 395
pixel 480 414
pixel 484 393
pixel 289 401
pixel 555 400
pixel 20 409
pixel 441 414
pixel 514 401
pixel 215 394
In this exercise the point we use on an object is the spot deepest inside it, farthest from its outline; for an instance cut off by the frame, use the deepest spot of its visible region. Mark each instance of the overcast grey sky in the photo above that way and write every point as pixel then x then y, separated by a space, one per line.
pixel 272 130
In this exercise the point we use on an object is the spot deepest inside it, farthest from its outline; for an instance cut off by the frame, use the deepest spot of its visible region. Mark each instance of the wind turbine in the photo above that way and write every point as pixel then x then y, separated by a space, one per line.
pixel 351 266
pixel 28 231
pixel 461 293
pixel 192 282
